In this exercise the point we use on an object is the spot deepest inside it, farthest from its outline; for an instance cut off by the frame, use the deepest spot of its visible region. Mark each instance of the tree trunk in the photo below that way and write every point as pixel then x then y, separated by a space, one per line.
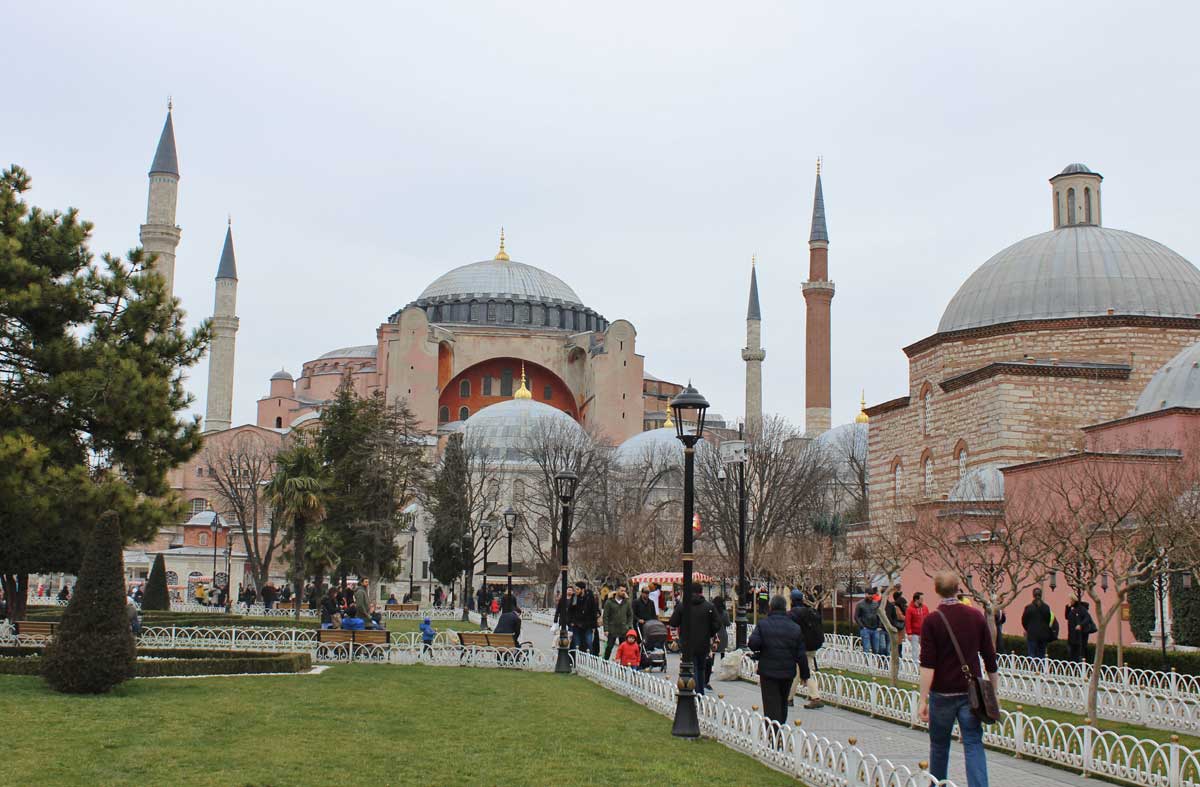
pixel 298 568
pixel 1093 690
pixel 467 593
pixel 16 588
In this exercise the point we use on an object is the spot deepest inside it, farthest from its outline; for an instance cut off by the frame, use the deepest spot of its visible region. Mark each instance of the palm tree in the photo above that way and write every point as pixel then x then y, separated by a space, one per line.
pixel 297 493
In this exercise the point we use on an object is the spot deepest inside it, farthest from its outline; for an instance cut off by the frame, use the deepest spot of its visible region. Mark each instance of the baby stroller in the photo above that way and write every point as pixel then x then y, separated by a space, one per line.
pixel 654 644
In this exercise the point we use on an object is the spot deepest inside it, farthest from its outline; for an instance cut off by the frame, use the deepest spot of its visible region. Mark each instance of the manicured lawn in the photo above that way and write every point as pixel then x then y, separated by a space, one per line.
pixel 356 725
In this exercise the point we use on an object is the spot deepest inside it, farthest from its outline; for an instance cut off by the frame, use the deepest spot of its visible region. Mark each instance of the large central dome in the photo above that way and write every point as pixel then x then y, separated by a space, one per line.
pixel 1081 271
pixel 503 293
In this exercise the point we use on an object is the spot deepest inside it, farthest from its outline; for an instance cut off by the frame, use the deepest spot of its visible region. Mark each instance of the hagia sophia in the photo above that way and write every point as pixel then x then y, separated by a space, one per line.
pixel 1063 346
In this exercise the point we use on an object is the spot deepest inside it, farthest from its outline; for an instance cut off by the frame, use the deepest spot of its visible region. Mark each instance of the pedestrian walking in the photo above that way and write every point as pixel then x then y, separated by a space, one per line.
pixel 914 618
pixel 618 618
pixel 951 629
pixel 643 606
pixel 1040 626
pixel 1080 626
pixel 697 620
pixel 428 635
pixel 809 622
pixel 778 646
pixel 870 627
pixel 582 613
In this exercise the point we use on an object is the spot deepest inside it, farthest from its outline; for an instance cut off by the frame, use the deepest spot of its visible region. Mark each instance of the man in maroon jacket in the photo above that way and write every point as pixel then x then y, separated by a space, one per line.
pixel 943 684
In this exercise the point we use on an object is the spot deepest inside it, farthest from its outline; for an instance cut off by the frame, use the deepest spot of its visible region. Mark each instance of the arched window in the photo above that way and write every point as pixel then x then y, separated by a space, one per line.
pixel 464 389
pixel 198 505
pixel 549 393
pixel 443 414
pixel 278 422
pixel 203 539
pixel 927 468
pixel 173 578
pixel 962 461
pixel 463 413
pixel 927 410
pixel 1087 205
pixel 506 381
pixel 487 385
pixel 1070 206
pixel 897 479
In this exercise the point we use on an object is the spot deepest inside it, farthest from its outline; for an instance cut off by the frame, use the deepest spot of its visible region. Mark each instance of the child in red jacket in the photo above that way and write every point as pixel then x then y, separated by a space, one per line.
pixel 628 652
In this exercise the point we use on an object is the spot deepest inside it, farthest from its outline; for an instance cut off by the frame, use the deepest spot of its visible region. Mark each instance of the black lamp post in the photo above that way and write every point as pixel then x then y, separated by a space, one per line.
pixel 510 524
pixel 687 723
pixel 216 527
pixel 228 568
pixel 564 483
pixel 412 551
pixel 734 452
pixel 486 527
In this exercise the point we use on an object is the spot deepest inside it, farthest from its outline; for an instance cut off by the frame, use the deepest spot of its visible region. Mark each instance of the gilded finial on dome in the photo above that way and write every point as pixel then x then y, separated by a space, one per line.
pixel 862 416
pixel 522 392
pixel 502 254
pixel 669 423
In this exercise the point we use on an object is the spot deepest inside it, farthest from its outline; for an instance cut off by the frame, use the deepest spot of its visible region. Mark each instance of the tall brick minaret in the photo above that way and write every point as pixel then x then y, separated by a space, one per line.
pixel 159 234
pixel 818 295
pixel 753 354
pixel 219 407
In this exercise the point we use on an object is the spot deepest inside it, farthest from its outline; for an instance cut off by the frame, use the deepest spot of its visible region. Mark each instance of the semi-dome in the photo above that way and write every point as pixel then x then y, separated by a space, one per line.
pixel 845 447
pixel 1076 271
pixel 1175 384
pixel 357 351
pixel 979 484
pixel 502 292
pixel 508 430
pixel 649 446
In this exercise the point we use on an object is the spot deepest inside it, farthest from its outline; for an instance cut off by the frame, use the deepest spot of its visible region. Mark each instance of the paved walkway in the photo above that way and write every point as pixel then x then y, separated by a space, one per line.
pixel 884 739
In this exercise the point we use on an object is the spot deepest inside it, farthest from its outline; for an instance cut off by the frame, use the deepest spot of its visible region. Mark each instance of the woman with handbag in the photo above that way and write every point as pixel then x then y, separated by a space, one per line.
pixel 953 639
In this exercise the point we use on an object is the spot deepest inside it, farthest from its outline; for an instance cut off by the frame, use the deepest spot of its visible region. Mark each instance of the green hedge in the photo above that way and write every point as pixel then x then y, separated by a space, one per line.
pixel 28 661
pixel 192 619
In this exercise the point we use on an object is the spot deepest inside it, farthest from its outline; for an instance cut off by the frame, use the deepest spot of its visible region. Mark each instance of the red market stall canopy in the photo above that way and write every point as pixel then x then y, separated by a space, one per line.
pixel 670 577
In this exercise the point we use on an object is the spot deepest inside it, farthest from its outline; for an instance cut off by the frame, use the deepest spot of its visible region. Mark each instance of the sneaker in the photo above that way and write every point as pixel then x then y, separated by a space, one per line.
pixel 791 704
pixel 814 704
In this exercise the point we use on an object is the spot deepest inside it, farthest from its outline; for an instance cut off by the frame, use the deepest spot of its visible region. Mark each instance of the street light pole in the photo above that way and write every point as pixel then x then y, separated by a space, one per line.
pixel 687 721
pixel 228 568
pixel 216 526
pixel 510 524
pixel 564 482
pixel 486 527
pixel 412 552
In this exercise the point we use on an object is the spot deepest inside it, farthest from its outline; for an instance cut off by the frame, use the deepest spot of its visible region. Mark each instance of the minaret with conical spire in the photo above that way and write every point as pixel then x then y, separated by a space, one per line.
pixel 753 354
pixel 818 295
pixel 219 407
pixel 159 235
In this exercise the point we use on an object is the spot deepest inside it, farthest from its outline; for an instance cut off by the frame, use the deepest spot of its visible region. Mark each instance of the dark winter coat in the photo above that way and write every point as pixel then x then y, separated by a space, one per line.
pixel 643 609
pixel 779 645
pixel 509 623
pixel 583 610
pixel 1079 617
pixel 698 628
pixel 866 614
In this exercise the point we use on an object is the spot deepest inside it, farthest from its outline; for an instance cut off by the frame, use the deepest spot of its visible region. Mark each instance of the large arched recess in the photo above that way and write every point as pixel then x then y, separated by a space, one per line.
pixel 540 380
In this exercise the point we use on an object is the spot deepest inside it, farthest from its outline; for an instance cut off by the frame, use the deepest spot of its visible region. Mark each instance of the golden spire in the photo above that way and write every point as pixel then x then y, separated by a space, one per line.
pixel 502 254
pixel 753 260
pixel 668 424
pixel 862 416
pixel 522 392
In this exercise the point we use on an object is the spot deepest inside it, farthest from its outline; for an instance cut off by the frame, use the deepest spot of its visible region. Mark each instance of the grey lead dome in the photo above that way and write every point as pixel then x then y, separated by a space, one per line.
pixel 1175 384
pixel 492 278
pixel 1079 271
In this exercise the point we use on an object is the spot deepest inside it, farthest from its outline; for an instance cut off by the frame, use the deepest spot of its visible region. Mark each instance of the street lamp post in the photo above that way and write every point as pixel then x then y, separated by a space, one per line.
pixel 564 483
pixel 412 551
pixel 228 570
pixel 216 527
pixel 734 452
pixel 510 524
pixel 687 722
pixel 486 527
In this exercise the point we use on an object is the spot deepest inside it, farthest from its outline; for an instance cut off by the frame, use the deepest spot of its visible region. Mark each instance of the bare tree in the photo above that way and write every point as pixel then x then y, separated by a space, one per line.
pixel 846 454
pixel 881 553
pixel 482 503
pixel 238 469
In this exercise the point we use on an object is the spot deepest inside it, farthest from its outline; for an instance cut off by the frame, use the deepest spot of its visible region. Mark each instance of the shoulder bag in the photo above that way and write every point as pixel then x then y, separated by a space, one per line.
pixel 980 693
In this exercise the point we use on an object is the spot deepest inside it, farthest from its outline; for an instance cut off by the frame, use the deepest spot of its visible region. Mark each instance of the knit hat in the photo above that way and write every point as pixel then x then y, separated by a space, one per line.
pixel 797 596
pixel 426 620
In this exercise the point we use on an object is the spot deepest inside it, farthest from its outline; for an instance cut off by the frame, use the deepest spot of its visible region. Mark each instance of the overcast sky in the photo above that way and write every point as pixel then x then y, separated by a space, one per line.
pixel 640 151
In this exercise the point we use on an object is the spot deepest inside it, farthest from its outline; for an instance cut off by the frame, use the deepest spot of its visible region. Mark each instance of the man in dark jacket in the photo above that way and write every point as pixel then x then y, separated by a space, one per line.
pixel 809 622
pixel 778 645
pixel 509 621
pixel 870 628
pixel 582 615
pixel 1080 626
pixel 643 607
pixel 698 623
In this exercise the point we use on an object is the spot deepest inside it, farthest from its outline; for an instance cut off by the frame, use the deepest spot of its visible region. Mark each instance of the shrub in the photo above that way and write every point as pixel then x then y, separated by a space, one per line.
pixel 93 649
pixel 164 663
pixel 154 594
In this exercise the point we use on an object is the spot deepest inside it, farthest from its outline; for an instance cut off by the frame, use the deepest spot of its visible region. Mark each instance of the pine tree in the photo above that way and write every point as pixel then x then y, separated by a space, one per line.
pixel 449 538
pixel 93 649
pixel 154 594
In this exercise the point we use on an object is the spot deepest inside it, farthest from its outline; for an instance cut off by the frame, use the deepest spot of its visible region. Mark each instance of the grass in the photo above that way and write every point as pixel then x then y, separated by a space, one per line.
pixel 1121 728
pixel 356 724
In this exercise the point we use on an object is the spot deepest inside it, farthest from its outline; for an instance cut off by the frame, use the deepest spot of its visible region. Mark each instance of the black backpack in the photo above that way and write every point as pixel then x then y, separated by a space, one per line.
pixel 811 628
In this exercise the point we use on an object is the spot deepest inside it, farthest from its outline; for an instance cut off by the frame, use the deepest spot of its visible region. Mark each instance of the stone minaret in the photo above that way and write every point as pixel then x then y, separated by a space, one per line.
pixel 159 234
pixel 818 295
pixel 219 409
pixel 753 354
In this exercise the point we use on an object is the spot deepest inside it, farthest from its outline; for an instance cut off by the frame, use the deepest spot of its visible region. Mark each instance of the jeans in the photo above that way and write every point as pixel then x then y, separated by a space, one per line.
pixel 700 672
pixel 874 641
pixel 944 710
pixel 1036 649
pixel 581 638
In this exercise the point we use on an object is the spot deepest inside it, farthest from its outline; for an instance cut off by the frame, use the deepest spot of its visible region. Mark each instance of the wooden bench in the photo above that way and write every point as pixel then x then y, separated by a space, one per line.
pixel 486 639
pixel 42 629
pixel 363 637
pixel 409 607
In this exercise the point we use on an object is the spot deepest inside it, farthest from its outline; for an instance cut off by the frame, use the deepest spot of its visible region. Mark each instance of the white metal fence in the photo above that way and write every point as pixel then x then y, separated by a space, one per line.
pixel 1122 758
pixel 811 758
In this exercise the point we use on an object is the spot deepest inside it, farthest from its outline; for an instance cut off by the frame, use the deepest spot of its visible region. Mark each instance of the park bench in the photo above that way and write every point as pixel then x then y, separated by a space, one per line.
pixel 508 650
pixel 40 629
pixel 290 605
pixel 410 607
pixel 363 637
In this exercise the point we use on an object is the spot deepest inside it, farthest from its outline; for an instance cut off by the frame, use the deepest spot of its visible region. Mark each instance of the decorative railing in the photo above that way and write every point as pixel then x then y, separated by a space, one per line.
pixel 813 759
pixel 1061 685
pixel 1093 752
